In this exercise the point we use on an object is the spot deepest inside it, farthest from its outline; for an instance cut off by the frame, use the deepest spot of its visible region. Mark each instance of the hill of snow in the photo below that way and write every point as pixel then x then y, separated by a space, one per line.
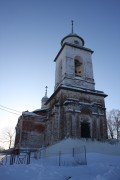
pixel 103 163
pixel 66 146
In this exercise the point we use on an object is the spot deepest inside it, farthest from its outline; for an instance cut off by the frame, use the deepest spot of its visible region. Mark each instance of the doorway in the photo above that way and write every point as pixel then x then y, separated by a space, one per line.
pixel 85 130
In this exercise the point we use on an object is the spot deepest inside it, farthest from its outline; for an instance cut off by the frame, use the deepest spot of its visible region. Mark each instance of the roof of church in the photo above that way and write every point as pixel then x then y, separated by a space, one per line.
pixel 73 35
pixel 27 113
pixel 40 110
pixel 72 45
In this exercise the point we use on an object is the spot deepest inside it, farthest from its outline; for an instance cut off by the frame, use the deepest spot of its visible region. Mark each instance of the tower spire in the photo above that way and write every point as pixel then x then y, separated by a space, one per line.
pixel 46 91
pixel 72 26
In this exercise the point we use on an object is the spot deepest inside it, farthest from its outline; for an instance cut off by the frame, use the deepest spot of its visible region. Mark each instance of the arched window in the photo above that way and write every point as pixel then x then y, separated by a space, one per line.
pixel 78 67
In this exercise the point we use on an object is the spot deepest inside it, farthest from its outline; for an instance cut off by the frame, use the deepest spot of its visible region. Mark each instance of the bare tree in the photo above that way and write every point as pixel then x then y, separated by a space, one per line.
pixel 1 148
pixel 7 136
pixel 113 122
pixel 116 116
pixel 110 125
pixel 110 129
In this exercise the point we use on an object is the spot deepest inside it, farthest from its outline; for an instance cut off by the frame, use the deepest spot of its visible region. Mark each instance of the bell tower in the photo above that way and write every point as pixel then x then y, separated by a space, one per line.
pixel 76 108
pixel 74 64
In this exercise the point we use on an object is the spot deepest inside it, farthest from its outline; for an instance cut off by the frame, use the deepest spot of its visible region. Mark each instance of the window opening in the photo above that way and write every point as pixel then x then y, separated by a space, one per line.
pixel 76 42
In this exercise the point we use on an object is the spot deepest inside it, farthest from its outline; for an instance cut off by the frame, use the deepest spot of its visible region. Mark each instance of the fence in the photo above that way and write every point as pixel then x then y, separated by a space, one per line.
pixel 65 157
pixel 3 160
pixel 22 158
pixel 62 157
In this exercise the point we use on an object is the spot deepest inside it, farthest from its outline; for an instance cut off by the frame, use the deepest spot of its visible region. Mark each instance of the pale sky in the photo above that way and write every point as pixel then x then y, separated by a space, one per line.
pixel 30 35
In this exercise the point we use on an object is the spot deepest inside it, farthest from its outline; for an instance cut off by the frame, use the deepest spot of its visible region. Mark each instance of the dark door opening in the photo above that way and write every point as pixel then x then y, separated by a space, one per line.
pixel 85 130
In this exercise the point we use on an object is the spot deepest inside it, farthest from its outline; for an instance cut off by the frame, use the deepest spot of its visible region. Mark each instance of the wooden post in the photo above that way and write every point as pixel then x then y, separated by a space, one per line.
pixel 85 155
pixel 28 158
pixel 59 158
pixel 73 153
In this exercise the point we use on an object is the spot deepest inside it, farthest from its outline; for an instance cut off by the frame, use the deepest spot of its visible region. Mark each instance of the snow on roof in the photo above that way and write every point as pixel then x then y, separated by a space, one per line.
pixel 27 113
pixel 38 110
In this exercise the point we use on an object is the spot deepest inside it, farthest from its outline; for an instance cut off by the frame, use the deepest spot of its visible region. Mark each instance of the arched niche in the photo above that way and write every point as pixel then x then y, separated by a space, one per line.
pixel 78 66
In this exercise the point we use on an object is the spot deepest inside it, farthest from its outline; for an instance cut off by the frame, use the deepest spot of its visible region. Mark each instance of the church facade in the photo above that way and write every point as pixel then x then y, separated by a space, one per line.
pixel 75 109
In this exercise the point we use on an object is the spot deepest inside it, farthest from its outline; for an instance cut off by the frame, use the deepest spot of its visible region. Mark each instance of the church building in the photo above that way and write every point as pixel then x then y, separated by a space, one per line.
pixel 75 109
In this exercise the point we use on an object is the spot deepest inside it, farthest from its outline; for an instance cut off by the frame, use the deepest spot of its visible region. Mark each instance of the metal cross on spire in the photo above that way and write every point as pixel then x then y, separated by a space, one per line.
pixel 72 26
pixel 46 91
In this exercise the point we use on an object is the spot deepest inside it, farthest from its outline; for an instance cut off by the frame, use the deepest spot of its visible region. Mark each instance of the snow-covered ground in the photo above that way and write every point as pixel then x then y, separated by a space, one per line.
pixel 91 146
pixel 100 166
